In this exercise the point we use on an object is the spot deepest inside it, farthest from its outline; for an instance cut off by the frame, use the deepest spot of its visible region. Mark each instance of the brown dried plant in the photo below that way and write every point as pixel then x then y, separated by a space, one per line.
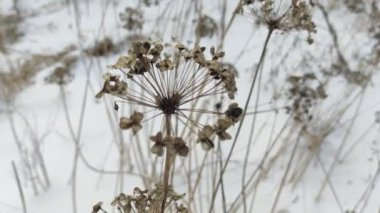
pixel 284 15
pixel 133 19
pixel 171 86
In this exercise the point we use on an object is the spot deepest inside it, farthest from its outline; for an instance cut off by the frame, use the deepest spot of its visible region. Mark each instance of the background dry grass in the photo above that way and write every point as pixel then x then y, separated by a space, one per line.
pixel 309 141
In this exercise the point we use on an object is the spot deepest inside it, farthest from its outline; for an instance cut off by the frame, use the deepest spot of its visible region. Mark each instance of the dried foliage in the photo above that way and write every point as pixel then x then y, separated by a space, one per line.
pixel 170 85
pixel 9 30
pixel 20 76
pixel 133 19
pixel 284 15
pixel 102 48
pixel 304 92
pixel 148 201
pixel 206 27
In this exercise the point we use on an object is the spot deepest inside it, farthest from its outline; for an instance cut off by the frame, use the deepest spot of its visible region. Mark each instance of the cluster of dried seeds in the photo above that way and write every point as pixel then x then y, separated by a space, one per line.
pixel 147 201
pixel 304 95
pixel 284 15
pixel 208 133
pixel 171 85
pixel 61 76
pixel 133 19
pixel 206 27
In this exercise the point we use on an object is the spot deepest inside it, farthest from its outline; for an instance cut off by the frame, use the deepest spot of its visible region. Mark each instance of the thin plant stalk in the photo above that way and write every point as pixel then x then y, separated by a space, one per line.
pixel 248 150
pixel 22 197
pixel 167 163
pixel 292 155
pixel 262 56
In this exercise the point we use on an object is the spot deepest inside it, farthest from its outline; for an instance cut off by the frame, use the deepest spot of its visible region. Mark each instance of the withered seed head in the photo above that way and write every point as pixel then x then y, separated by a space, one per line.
pixel 172 84
pixel 234 112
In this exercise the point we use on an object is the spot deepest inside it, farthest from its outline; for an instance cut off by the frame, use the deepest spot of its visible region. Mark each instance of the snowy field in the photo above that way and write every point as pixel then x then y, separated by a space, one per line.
pixel 309 141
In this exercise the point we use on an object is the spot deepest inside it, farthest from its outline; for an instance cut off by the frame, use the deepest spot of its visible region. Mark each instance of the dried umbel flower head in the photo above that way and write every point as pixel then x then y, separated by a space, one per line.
pixel 206 27
pixel 283 15
pixel 304 92
pixel 102 48
pixel 171 87
pixel 60 76
pixel 133 19
pixel 147 200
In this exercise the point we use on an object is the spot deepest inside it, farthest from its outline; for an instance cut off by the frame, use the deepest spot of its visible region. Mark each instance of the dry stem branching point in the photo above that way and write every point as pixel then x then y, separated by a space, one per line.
pixel 171 85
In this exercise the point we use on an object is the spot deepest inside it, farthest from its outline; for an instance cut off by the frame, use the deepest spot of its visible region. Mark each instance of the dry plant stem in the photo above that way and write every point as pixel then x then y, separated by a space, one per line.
pixel 335 194
pixel 286 173
pixel 198 8
pixel 197 181
pixel 371 186
pixel 223 23
pixel 19 187
pixel 76 154
pixel 334 36
pixel 357 142
pixel 343 142
pixel 75 137
pixel 367 193
pixel 23 156
pixel 167 163
pixel 220 160
pixel 118 136
pixel 262 56
pixel 261 164
pixel 37 151
pixel 227 28
pixel 259 179
pixel 250 141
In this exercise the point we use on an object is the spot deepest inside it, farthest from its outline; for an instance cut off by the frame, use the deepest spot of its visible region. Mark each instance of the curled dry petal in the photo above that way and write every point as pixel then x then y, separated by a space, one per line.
pixel 228 78
pixel 112 85
pixel 159 144
pixel 180 147
pixel 205 137
pixel 157 149
pixel 133 122
pixel 234 113
pixel 221 127
pixel 97 207
pixel 165 65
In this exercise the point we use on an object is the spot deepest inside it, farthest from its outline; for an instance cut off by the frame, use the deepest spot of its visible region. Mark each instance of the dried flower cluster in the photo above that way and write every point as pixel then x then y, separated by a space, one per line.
pixel 171 87
pixel 304 95
pixel 144 201
pixel 208 133
pixel 147 201
pixel 133 19
pixel 60 76
pixel 206 27
pixel 284 15
pixel 102 48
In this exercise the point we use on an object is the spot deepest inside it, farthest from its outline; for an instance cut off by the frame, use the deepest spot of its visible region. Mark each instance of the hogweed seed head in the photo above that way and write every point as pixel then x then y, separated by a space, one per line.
pixel 171 85
pixel 284 15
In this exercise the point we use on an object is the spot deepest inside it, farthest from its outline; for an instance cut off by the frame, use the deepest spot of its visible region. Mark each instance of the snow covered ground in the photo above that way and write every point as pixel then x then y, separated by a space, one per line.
pixel 34 131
